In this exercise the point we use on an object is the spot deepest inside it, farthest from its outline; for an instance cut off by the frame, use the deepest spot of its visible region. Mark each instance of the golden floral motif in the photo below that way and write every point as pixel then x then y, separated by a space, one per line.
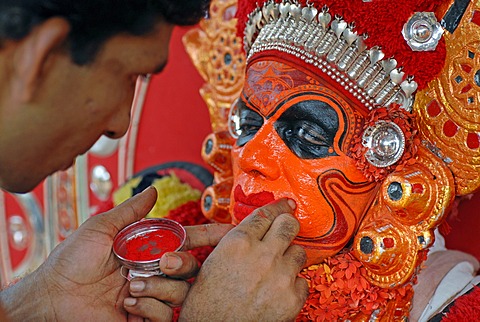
pixel 217 54
pixel 399 226
pixel 448 109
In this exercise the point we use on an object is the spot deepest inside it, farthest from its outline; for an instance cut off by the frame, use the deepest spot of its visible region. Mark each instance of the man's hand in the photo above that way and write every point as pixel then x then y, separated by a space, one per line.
pixel 82 279
pixel 154 297
pixel 252 275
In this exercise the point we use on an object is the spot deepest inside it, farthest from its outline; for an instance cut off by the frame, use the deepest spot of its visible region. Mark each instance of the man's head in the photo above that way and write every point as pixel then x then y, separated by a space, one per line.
pixel 93 22
pixel 68 73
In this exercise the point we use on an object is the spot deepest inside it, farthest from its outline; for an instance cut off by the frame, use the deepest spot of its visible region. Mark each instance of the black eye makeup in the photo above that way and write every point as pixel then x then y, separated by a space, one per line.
pixel 308 128
pixel 249 123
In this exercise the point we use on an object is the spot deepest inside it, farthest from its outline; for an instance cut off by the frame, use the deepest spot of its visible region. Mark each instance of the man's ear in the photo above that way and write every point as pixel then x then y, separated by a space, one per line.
pixel 32 53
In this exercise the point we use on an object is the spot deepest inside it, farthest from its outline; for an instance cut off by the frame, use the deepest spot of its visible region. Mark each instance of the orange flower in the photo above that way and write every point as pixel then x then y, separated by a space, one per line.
pixel 339 290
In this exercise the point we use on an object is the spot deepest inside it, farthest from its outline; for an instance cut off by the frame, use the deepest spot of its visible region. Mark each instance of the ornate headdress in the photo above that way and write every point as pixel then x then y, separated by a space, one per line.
pixel 411 65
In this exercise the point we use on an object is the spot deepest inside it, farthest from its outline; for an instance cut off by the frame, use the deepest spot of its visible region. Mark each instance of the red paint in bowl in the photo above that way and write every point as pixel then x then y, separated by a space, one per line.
pixel 151 245
pixel 140 245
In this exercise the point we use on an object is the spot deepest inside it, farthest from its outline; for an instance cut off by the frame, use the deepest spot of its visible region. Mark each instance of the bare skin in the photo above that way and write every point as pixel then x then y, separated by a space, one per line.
pixel 65 286
pixel 259 279
pixel 261 271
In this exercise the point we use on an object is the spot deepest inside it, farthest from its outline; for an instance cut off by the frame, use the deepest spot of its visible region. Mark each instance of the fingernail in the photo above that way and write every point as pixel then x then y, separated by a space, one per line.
pixel 292 204
pixel 173 261
pixel 130 301
pixel 137 286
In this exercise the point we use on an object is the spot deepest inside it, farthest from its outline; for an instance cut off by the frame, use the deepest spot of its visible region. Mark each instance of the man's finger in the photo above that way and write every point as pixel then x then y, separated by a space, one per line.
pixel 282 232
pixel 147 308
pixel 260 220
pixel 295 258
pixel 302 288
pixel 179 265
pixel 130 210
pixel 183 264
pixel 170 291
pixel 205 235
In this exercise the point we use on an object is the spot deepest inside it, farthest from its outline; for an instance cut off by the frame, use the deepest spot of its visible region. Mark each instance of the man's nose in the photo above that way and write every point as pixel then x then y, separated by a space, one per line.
pixel 119 123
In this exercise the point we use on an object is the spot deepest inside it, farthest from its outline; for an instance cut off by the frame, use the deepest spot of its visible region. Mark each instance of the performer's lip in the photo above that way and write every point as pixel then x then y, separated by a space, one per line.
pixel 244 204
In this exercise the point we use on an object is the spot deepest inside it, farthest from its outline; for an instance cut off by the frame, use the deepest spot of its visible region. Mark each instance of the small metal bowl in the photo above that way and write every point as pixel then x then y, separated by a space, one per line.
pixel 138 229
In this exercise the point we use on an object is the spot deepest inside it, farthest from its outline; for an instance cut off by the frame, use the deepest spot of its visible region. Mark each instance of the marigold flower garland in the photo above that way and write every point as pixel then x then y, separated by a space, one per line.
pixel 339 291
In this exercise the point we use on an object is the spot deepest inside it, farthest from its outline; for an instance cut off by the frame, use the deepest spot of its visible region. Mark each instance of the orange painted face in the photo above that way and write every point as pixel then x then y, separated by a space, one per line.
pixel 295 134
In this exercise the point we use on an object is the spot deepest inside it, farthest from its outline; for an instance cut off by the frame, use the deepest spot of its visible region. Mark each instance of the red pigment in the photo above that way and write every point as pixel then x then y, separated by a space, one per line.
pixel 151 245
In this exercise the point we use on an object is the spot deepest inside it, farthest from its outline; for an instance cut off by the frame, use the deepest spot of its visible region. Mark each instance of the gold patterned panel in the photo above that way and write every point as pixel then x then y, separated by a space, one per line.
pixel 399 226
pixel 217 54
pixel 449 108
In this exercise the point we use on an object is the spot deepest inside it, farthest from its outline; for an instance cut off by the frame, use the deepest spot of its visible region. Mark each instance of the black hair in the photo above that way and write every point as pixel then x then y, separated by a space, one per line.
pixel 95 21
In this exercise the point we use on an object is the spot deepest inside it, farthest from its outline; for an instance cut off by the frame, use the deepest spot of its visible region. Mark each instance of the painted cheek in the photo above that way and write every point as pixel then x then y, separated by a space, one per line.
pixel 313 211
pixel 347 201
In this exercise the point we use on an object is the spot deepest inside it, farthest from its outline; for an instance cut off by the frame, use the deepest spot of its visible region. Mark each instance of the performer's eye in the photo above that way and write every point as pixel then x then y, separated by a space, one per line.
pixel 308 128
pixel 249 124
pixel 311 134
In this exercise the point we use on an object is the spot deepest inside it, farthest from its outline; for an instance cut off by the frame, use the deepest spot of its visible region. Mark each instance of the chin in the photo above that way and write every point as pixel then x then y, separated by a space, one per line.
pixel 19 186
pixel 19 189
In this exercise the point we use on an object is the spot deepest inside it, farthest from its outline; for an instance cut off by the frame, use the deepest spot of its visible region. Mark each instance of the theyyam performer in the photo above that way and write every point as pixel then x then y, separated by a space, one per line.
pixel 366 113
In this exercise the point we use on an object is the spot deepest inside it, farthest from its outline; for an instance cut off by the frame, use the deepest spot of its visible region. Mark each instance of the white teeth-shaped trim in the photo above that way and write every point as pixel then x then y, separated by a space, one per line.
pixel 311 35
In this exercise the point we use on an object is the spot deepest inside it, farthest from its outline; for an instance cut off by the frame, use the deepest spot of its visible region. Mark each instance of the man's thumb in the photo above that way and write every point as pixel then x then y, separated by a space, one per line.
pixel 133 209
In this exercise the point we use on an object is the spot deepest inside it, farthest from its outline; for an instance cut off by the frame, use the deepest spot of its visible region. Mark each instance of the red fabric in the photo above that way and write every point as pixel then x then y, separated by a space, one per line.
pixel 465 221
pixel 175 119
pixel 383 21
pixel 465 308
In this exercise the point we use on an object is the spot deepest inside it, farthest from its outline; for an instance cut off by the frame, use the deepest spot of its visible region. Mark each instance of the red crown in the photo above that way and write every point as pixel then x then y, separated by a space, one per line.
pixel 383 22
